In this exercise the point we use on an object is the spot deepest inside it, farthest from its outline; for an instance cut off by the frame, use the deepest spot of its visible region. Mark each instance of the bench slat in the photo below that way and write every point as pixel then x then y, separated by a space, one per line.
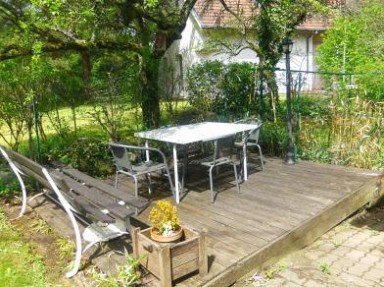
pixel 25 163
pixel 137 202
pixel 96 197
pixel 91 212
pixel 91 199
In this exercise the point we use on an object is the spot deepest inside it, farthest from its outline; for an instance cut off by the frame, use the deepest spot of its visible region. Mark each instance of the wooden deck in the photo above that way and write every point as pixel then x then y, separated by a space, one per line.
pixel 279 209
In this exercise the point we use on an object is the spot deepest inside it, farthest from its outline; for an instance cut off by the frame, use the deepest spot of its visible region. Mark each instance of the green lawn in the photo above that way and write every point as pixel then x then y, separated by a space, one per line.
pixel 18 265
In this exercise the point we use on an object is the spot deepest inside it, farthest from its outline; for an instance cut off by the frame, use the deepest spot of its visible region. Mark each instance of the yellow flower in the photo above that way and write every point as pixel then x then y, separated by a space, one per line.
pixel 164 214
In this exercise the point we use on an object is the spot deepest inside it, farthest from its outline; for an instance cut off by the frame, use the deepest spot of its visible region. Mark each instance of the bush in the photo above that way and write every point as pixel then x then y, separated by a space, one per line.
pixel 9 186
pixel 88 153
pixel 225 90
pixel 274 138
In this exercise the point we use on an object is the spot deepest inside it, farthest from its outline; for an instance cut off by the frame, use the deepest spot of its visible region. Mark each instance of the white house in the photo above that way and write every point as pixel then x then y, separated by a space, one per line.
pixel 202 20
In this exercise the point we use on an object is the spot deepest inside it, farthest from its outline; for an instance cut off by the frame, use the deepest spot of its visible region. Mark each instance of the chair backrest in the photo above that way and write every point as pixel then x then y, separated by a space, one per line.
pixel 223 147
pixel 121 156
pixel 252 136
pixel 255 134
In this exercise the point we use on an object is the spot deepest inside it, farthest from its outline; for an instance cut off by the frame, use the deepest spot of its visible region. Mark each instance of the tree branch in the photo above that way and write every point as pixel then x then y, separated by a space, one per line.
pixel 13 51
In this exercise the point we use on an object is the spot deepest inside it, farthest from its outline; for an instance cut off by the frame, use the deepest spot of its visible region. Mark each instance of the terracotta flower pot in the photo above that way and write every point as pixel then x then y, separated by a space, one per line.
pixel 168 238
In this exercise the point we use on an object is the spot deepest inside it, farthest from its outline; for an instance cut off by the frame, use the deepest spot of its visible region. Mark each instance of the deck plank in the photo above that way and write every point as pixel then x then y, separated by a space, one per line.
pixel 272 204
pixel 279 208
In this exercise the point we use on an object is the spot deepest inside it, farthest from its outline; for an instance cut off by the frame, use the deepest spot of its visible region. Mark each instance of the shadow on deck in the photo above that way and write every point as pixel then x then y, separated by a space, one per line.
pixel 280 209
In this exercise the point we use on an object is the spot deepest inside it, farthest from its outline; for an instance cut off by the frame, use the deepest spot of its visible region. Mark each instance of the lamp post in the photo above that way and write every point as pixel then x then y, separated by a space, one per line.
pixel 287 47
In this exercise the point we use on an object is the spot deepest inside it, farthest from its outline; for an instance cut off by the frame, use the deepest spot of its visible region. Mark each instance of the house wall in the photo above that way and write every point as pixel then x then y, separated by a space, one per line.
pixel 302 63
pixel 178 58
pixel 185 52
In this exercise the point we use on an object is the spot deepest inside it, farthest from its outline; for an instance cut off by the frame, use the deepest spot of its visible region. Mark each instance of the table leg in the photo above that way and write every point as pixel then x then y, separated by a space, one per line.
pixel 176 172
pixel 147 151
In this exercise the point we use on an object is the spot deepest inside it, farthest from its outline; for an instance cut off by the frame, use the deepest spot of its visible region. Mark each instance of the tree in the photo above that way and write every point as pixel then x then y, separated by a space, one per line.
pixel 354 45
pixel 144 27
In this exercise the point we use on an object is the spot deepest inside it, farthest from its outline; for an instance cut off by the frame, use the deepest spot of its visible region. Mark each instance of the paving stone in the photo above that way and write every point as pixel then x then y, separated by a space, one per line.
pixel 314 255
pixel 327 247
pixel 312 283
pixel 357 281
pixel 292 276
pixel 348 233
pixel 329 258
pixel 341 265
pixel 370 259
pixel 276 282
pixel 358 269
pixel 291 284
pixel 377 239
pixel 358 238
pixel 380 266
pixel 341 251
pixel 377 251
pixel 375 275
pixel 353 250
pixel 355 254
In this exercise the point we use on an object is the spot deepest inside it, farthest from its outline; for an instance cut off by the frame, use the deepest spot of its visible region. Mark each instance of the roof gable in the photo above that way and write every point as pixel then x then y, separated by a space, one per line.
pixel 212 14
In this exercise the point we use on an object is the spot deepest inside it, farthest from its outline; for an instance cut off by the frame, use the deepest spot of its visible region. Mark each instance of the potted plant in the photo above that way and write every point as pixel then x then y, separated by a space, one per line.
pixel 164 255
pixel 165 222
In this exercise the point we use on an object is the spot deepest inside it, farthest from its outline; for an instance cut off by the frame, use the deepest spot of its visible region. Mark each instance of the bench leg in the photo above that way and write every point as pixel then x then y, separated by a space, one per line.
pixel 23 191
pixel 67 208
pixel 35 196
pixel 18 174
pixel 90 244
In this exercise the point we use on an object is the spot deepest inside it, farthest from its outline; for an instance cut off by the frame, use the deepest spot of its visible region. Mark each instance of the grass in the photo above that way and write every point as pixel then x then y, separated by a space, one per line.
pixel 18 266
pixel 83 119
pixel 325 268
pixel 36 256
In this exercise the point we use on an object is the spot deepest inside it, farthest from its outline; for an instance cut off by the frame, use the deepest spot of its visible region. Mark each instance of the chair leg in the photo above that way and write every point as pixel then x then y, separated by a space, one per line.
pixel 117 179
pixel 241 169
pixel 211 184
pixel 149 182
pixel 261 157
pixel 236 178
pixel 136 186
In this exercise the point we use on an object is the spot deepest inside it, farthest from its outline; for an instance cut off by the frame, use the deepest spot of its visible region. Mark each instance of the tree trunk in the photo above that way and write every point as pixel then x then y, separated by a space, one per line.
pixel 86 65
pixel 267 73
pixel 274 95
pixel 150 104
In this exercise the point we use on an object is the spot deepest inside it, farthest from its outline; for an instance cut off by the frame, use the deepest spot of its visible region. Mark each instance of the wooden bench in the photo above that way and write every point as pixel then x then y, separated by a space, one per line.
pixel 106 211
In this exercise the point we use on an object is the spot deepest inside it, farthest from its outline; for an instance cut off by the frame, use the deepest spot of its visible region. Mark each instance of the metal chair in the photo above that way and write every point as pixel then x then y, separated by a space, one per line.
pixel 250 140
pixel 222 154
pixel 134 161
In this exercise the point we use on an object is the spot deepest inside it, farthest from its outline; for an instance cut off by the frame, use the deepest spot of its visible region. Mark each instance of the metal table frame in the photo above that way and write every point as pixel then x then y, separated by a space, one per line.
pixel 199 132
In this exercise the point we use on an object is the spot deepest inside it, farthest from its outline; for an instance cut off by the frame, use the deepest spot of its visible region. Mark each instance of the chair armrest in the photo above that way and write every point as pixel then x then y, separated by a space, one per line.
pixel 141 148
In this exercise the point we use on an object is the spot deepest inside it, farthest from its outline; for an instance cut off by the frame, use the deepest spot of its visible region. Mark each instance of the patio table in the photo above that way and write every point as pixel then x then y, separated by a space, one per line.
pixel 192 133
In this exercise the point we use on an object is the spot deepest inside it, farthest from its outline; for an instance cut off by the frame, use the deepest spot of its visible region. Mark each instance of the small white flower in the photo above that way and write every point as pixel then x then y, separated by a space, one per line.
pixel 168 229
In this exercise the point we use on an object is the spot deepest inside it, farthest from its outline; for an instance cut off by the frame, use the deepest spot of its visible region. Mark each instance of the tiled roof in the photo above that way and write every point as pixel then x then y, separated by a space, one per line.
pixel 214 15
pixel 314 23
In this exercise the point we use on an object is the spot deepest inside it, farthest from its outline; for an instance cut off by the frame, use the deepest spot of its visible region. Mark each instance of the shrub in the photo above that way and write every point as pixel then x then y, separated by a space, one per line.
pixel 88 153
pixel 225 90
pixel 9 186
